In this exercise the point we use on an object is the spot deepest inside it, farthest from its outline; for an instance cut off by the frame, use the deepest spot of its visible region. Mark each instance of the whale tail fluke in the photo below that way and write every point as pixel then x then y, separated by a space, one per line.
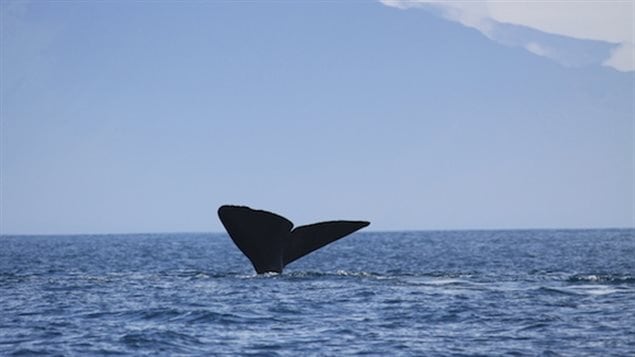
pixel 268 240
pixel 260 235
pixel 305 239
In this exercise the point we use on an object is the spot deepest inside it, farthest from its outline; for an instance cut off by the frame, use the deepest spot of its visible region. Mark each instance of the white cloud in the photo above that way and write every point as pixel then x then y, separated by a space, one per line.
pixel 611 22
pixel 537 49
pixel 622 58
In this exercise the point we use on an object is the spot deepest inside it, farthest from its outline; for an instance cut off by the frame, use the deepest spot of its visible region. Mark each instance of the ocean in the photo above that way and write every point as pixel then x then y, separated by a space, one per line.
pixel 525 292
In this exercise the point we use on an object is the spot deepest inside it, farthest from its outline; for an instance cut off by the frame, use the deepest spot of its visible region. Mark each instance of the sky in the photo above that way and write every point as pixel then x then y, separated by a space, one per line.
pixel 127 117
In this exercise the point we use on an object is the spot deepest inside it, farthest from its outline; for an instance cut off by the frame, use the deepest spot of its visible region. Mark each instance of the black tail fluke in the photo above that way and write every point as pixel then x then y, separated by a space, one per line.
pixel 305 239
pixel 268 241
pixel 260 235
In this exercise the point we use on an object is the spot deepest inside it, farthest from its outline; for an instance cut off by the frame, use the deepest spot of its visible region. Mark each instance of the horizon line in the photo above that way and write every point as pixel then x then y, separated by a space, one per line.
pixel 2 235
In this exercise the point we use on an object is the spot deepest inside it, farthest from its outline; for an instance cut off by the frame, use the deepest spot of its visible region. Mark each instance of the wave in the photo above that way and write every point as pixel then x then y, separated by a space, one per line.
pixel 302 275
pixel 163 315
pixel 580 290
pixel 602 279
pixel 161 340
pixel 557 290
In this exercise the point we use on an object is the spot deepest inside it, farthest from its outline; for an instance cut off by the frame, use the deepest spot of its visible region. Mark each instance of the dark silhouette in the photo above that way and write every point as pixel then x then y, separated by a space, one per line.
pixel 268 240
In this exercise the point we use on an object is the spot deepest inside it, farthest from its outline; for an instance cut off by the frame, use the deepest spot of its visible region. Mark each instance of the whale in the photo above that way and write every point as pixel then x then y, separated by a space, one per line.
pixel 270 241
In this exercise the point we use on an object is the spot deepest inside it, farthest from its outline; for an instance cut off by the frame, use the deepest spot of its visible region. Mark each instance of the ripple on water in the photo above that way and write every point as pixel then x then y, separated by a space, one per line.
pixel 602 278
pixel 160 340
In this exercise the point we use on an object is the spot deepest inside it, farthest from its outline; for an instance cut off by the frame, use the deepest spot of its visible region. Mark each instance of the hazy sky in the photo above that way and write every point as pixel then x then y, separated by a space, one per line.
pixel 144 116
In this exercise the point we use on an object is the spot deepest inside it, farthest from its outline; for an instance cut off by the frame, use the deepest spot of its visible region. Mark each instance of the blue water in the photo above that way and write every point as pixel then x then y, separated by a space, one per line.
pixel 547 292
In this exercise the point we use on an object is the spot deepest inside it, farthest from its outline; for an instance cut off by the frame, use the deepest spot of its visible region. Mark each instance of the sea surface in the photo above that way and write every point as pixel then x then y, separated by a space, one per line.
pixel 535 292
